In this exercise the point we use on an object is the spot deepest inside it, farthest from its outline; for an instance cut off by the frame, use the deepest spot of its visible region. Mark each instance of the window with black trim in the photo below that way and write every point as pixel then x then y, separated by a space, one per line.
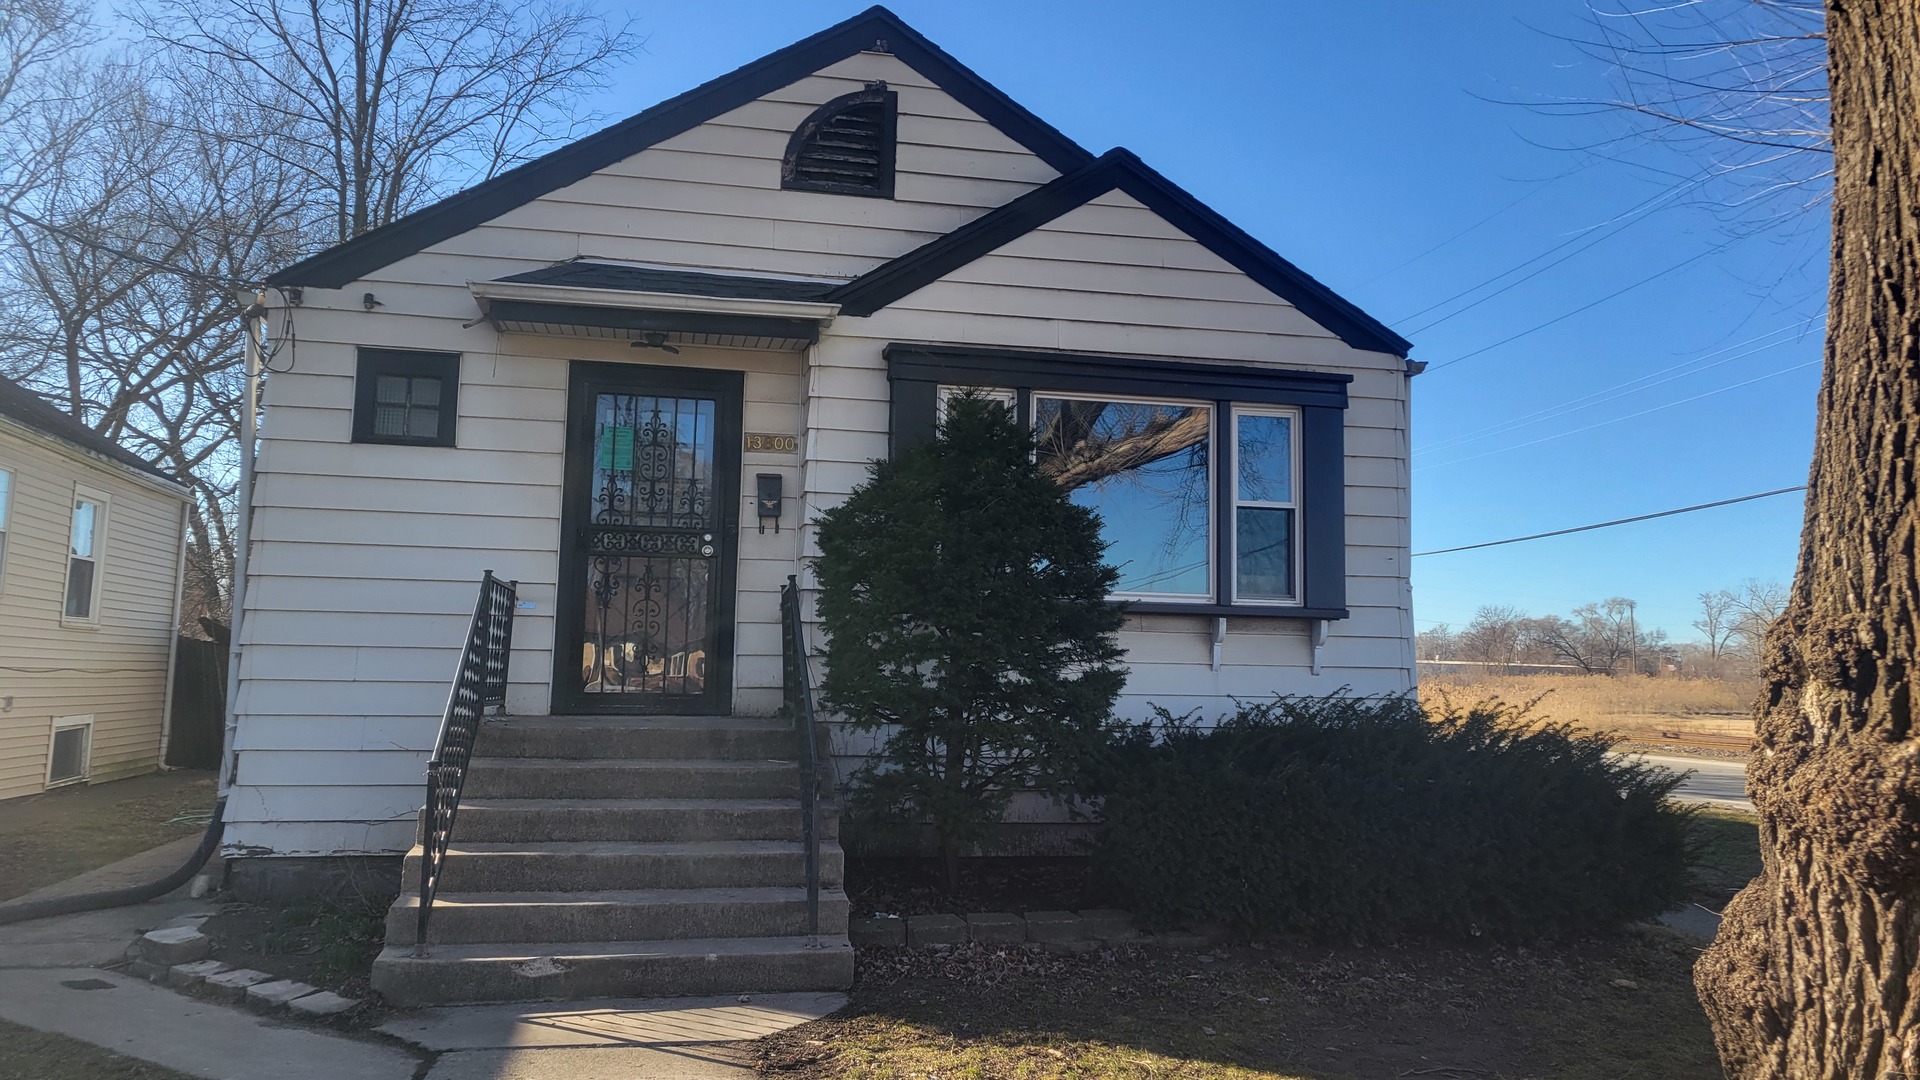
pixel 1221 489
pixel 845 147
pixel 406 397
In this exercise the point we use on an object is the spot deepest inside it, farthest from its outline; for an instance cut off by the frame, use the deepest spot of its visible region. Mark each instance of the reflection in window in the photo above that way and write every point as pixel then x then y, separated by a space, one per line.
pixel 407 407
pixel 82 563
pixel 1264 506
pixel 1144 466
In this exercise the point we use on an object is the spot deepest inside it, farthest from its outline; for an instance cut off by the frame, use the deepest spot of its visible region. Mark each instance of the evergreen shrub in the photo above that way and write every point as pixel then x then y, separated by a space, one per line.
pixel 1370 819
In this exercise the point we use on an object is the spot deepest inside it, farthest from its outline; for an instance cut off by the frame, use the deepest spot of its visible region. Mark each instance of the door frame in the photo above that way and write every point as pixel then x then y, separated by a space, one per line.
pixel 585 380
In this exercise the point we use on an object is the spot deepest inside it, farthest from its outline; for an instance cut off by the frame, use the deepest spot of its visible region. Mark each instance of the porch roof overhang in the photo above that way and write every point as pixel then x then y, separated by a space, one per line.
pixel 620 302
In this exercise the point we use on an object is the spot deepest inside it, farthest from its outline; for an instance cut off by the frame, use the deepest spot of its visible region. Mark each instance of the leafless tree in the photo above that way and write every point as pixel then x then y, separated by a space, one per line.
pixel 1437 642
pixel 1601 639
pixel 1494 637
pixel 385 105
pixel 1716 621
pixel 1739 86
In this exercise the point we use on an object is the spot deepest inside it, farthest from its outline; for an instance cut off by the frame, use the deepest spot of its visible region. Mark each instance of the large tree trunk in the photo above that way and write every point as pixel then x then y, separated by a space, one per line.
pixel 1816 972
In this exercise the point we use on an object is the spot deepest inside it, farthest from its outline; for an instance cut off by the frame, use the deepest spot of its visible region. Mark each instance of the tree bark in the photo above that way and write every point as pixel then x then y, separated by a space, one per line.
pixel 1816 972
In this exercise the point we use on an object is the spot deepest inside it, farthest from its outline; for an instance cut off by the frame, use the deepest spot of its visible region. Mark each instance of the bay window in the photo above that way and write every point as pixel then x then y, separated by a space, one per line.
pixel 1220 488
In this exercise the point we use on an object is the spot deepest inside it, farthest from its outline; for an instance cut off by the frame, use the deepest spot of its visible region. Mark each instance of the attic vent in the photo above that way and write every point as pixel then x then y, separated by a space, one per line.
pixel 845 146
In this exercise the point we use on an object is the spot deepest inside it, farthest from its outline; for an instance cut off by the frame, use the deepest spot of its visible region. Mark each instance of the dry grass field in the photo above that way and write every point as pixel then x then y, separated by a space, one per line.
pixel 1697 714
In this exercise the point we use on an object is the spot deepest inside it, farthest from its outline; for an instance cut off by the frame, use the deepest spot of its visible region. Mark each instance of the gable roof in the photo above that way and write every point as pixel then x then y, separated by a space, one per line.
pixel 1118 169
pixel 30 410
pixel 876 26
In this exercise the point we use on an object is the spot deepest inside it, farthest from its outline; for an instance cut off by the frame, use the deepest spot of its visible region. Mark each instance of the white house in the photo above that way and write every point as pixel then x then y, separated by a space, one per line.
pixel 91 549
pixel 628 374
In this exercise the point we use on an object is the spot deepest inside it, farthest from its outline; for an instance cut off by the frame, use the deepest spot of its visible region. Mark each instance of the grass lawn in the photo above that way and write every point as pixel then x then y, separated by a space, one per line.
pixel 52 836
pixel 26 1054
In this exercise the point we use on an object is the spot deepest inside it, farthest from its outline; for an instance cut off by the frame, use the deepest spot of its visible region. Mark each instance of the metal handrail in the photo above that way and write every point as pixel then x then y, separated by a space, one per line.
pixel 797 693
pixel 479 683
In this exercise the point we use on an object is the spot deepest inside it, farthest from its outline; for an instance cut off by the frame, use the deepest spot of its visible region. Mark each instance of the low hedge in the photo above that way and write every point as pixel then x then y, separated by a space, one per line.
pixel 1371 819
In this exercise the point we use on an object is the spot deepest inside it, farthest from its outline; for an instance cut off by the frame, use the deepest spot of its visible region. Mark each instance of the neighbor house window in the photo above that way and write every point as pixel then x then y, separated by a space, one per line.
pixel 408 398
pixel 1146 467
pixel 69 749
pixel 85 536
pixel 1265 511
pixel 6 504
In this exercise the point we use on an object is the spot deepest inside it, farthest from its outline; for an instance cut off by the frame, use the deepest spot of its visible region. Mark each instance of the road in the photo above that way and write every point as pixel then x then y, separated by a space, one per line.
pixel 1715 781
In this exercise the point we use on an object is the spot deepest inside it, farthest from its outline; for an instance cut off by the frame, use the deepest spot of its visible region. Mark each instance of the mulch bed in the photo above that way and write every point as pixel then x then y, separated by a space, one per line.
pixel 915 887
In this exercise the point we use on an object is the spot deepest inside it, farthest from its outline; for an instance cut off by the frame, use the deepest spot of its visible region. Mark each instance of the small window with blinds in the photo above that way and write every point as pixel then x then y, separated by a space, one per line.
pixel 846 147
pixel 405 397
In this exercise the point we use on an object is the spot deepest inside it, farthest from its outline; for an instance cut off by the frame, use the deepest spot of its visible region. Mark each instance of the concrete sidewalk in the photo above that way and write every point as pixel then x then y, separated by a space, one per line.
pixel 195 1037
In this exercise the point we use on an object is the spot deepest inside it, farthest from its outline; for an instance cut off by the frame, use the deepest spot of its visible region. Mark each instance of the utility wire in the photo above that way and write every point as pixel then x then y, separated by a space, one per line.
pixel 120 253
pixel 1610 524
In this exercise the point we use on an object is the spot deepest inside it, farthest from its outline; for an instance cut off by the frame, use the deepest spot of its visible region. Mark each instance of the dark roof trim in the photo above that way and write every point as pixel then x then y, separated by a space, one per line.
pixel 585 274
pixel 1119 169
pixel 640 321
pixel 31 410
pixel 344 263
pixel 1040 369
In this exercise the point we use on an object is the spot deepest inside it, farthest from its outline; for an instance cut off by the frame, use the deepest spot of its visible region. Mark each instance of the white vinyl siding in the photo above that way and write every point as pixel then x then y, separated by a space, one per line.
pixel 113 669
pixel 367 558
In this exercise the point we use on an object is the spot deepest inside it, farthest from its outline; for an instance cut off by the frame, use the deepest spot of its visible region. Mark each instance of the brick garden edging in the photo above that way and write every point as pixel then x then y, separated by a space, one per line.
pixel 176 956
pixel 1063 931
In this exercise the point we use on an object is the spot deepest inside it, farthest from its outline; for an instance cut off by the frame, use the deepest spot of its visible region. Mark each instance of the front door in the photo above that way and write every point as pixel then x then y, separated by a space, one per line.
pixel 647 541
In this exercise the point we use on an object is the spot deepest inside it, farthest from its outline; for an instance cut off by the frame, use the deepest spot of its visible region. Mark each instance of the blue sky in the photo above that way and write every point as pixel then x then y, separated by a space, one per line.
pixel 1355 136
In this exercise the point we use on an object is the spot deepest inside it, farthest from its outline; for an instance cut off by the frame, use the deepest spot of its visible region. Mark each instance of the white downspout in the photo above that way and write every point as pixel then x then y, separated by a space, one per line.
pixel 242 537
pixel 173 639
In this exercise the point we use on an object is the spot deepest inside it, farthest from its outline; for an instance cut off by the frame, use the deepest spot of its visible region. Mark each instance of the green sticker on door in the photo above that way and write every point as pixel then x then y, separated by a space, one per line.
pixel 616 450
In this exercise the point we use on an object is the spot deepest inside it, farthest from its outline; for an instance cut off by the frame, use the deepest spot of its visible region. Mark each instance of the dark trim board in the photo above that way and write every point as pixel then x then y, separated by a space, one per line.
pixel 584 380
pixel 1118 169
pixel 874 28
pixel 958 365
pixel 638 319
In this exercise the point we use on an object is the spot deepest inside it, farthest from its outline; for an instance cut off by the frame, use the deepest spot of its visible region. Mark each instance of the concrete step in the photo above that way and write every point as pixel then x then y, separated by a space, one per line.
pixel 622 915
pixel 613 865
pixel 587 778
pixel 496 821
pixel 724 738
pixel 463 974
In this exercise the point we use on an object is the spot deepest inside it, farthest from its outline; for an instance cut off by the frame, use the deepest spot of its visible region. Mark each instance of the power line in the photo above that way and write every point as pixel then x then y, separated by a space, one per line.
pixel 1610 524
pixel 1618 419
pixel 120 253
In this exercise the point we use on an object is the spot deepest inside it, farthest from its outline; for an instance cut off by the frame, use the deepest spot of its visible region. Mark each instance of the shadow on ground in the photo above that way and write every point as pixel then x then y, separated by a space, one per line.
pixel 1606 1007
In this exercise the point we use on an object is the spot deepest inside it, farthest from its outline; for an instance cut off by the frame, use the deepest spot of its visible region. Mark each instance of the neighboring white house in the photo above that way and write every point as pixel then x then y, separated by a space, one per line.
pixel 91 543
pixel 583 373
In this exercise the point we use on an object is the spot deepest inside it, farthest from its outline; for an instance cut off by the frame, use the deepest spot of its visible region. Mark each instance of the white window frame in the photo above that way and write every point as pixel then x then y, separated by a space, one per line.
pixel 103 513
pixel 1295 533
pixel 1003 394
pixel 9 485
pixel 67 723
pixel 1213 488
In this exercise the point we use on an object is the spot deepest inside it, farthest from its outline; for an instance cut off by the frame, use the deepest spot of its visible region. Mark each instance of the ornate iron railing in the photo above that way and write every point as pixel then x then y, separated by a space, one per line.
pixel 797 688
pixel 479 683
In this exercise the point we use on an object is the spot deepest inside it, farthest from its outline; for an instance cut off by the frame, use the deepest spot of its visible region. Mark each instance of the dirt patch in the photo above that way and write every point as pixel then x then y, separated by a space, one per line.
pixel 329 944
pixel 914 886
pixel 1607 1007
pixel 53 836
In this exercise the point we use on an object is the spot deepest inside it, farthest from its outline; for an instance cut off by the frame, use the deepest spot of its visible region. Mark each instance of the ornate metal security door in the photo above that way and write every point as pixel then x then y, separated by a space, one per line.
pixel 653 472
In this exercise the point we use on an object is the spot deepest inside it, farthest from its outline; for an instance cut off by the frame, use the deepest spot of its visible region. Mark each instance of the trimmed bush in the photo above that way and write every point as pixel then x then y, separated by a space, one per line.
pixel 1371 819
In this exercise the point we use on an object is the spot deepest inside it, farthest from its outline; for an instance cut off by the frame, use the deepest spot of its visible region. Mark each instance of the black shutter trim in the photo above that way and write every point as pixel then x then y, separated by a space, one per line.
pixel 1323 508
pixel 913 415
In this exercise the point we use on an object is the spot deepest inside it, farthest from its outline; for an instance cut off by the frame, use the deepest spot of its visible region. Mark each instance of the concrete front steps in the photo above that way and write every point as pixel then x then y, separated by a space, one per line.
pixel 623 857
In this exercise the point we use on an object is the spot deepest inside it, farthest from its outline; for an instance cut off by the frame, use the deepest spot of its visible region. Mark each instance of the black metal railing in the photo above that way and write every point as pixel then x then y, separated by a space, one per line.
pixel 797 689
pixel 479 683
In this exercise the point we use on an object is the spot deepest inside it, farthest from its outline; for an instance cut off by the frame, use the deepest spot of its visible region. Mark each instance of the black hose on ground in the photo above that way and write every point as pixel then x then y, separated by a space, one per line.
pixel 132 894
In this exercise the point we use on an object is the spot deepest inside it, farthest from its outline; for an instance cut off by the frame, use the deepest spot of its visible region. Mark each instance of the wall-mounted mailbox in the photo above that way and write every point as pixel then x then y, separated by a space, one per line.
pixel 768 499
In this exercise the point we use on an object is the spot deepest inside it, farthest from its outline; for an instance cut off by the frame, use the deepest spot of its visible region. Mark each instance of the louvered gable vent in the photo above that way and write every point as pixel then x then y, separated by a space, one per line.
pixel 845 146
